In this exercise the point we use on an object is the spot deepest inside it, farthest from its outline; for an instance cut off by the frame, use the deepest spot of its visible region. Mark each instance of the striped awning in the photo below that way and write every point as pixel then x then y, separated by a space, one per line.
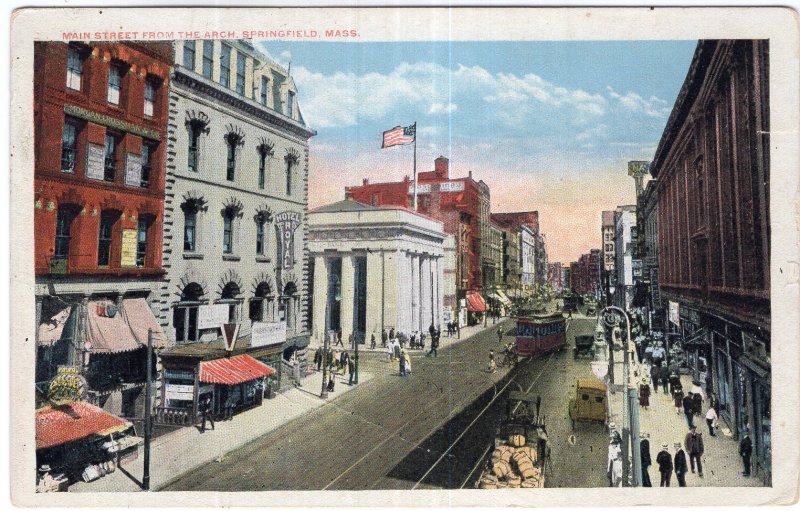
pixel 57 425
pixel 233 371
pixel 475 302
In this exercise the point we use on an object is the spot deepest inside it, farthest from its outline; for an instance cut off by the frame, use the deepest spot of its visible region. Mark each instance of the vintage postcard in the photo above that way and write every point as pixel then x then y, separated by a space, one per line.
pixel 418 257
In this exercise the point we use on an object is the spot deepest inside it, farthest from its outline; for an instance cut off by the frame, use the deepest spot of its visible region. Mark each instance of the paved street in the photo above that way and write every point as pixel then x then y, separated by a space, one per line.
pixel 426 431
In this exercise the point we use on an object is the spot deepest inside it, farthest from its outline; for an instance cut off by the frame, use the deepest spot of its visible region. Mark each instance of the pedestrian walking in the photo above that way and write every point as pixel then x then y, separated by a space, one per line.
pixel 402 360
pixel 296 371
pixel 745 451
pixel 407 362
pixel 648 352
pixel 674 380
pixel 688 411
pixel 384 338
pixel 614 468
pixel 694 446
pixel 500 335
pixel 492 363
pixel 390 352
pixel 331 383
pixel 711 420
pixel 339 339
pixel 677 397
pixel 655 375
pixel 372 342
pixel 644 451
pixel 351 369
pixel 396 348
pixel 205 413
pixel 318 358
pixel 680 464
pixel 391 333
pixel 329 358
pixel 351 340
pixel 664 461
pixel 336 359
pixel 644 394
pixel 343 360
pixel 697 400
pixel 664 374
pixel 434 345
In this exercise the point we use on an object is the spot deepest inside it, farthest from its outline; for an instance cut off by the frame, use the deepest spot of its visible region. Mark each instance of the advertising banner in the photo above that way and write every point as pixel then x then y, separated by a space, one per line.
pixel 212 316
pixel 674 313
pixel 286 223
pixel 128 251
pixel 267 334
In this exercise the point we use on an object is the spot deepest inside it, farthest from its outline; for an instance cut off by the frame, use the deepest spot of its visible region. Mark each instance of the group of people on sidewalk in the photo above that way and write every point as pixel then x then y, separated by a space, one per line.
pixel 337 363
pixel 669 463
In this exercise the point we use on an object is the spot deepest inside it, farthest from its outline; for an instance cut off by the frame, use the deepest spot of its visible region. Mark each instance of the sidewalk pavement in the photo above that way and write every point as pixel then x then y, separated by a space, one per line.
pixel 722 465
pixel 186 448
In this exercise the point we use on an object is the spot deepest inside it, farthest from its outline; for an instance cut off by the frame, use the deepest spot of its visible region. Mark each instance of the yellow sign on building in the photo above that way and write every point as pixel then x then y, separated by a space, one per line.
pixel 128 255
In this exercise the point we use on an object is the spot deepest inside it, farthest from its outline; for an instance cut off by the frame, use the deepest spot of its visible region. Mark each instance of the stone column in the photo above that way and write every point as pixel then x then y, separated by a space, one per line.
pixel 348 296
pixel 440 289
pixel 415 294
pixel 425 293
pixel 398 286
pixel 320 297
pixel 376 291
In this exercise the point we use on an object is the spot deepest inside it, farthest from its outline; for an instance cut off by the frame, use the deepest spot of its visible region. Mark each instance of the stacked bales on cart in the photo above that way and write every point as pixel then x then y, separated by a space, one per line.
pixel 513 465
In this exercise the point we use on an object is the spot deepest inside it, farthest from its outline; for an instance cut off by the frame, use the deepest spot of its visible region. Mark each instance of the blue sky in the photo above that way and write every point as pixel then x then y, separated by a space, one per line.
pixel 547 125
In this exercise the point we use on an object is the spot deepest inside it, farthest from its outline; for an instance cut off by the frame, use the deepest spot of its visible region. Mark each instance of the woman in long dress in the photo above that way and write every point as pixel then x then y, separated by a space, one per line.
pixel 644 394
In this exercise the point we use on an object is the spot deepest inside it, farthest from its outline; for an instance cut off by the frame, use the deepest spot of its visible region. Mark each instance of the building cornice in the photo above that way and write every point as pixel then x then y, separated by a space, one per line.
pixel 201 85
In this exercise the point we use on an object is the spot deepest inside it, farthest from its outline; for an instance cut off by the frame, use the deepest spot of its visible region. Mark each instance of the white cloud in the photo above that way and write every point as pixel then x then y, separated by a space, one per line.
pixel 599 131
pixel 652 107
pixel 441 108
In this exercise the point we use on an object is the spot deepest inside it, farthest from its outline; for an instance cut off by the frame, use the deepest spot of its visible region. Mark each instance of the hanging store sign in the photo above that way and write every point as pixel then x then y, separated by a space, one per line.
pixel 636 264
pixel 133 169
pixel 287 223
pixel 230 333
pixel 95 161
pixel 128 250
pixel 267 334
pixel 674 313
pixel 212 316
pixel 655 290
pixel 179 392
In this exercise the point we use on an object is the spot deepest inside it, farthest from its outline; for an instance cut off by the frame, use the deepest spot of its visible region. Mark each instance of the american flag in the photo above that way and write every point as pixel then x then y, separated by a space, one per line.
pixel 399 135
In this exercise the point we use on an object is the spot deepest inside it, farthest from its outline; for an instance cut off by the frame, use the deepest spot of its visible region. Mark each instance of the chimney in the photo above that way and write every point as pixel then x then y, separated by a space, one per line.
pixel 348 194
pixel 470 174
pixel 441 167
pixel 365 182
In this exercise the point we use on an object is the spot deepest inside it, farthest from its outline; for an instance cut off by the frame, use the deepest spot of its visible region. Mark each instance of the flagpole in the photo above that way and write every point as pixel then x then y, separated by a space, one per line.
pixel 415 166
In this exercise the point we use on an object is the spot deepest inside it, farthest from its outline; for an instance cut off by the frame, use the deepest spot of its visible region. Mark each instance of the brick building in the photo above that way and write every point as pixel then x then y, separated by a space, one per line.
pixel 99 140
pixel 712 166
pixel 460 204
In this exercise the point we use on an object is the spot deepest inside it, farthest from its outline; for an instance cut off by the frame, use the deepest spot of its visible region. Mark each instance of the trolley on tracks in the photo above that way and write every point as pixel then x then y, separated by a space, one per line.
pixel 539 334
pixel 521 449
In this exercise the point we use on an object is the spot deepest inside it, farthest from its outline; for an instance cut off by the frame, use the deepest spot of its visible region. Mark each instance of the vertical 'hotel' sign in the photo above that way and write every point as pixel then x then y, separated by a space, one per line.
pixel 287 223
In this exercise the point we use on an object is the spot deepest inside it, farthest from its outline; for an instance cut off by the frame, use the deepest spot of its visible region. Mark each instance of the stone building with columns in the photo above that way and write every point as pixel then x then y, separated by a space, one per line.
pixel 374 268
pixel 236 200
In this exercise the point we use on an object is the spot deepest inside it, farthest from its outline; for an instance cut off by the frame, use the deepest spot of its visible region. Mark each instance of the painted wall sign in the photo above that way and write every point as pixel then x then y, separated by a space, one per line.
pixel 426 188
pixel 451 186
pixel 128 250
pixel 287 223
pixel 95 160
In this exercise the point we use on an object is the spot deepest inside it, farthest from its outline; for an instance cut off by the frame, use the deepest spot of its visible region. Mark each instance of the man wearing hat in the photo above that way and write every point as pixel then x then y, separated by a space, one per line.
pixel 644 394
pixel 694 446
pixel 664 461
pixel 644 449
pixel 680 464
pixel 614 467
pixel 745 451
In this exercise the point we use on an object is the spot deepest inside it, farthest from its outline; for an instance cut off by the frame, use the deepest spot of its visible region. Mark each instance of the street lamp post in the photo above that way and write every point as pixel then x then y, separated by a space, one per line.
pixel 630 429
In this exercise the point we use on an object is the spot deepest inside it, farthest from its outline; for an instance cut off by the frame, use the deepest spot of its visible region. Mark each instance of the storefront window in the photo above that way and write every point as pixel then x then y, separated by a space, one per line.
pixel 722 383
pixel 185 313
pixel 763 420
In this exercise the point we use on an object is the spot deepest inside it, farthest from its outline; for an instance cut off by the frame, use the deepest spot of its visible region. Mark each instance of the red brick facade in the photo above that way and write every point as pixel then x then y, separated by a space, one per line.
pixel 454 202
pixel 73 112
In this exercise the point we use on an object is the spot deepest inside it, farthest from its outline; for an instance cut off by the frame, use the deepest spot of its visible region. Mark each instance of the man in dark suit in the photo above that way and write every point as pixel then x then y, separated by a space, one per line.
pixel 680 464
pixel 644 446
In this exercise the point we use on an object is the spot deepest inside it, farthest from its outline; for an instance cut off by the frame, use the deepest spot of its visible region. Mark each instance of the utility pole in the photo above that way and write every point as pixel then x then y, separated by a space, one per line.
pixel 147 413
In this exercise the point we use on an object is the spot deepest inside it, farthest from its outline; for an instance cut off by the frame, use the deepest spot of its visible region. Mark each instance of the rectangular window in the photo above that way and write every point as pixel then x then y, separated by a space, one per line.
pixel 189 231
pixel 290 104
pixel 141 242
pixel 208 58
pixel 260 238
pixel 188 54
pixel 104 246
pixel 227 234
pixel 146 164
pixel 114 84
pixel 225 66
pixel 110 166
pixel 194 146
pixel 149 97
pixel 69 146
pixel 289 165
pixel 63 227
pixel 262 169
pixel 74 68
pixel 240 64
pixel 264 90
pixel 231 160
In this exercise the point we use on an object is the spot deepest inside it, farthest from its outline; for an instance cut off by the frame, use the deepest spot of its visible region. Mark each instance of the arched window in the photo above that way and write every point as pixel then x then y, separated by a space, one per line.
pixel 288 306
pixel 184 317
pixel 230 296
pixel 289 168
pixel 230 174
pixel 261 297
pixel 190 227
pixel 228 217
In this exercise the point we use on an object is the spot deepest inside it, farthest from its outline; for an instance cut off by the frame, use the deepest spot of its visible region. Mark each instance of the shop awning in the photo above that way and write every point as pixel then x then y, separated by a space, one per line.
pixel 503 298
pixel 50 331
pixel 57 425
pixel 234 370
pixel 475 302
pixel 109 330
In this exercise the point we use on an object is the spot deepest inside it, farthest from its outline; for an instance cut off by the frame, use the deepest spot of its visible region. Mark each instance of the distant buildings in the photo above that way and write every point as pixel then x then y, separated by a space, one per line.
pixel 555 277
pixel 624 239
pixel 609 257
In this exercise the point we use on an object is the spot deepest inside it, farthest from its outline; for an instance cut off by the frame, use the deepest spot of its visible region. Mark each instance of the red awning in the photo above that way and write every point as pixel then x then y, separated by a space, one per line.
pixel 234 370
pixel 475 302
pixel 59 425
pixel 109 330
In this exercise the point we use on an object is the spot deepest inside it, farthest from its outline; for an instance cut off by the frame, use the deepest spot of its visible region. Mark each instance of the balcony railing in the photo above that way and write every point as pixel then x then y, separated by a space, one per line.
pixel 174 417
